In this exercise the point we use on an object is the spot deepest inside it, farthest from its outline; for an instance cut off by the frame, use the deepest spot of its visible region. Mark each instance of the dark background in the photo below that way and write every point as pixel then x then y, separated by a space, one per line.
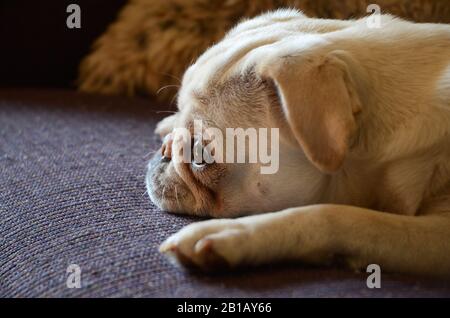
pixel 37 47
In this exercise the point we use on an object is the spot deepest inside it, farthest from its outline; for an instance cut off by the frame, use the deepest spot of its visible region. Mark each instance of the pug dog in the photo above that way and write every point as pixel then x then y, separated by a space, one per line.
pixel 363 113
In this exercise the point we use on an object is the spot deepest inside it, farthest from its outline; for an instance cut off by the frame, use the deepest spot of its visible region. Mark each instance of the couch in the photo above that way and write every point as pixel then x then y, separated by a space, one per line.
pixel 72 190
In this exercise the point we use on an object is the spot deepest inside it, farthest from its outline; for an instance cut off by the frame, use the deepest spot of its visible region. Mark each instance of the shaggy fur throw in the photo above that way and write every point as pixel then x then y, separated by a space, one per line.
pixel 152 42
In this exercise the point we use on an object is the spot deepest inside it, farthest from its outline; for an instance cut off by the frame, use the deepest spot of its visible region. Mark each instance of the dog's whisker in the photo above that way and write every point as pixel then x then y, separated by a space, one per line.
pixel 163 193
pixel 165 111
pixel 172 76
pixel 177 199
pixel 164 87
pixel 150 153
pixel 173 99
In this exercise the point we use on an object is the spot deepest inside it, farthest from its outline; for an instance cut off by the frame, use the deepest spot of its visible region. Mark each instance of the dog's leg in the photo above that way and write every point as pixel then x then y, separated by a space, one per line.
pixel 319 234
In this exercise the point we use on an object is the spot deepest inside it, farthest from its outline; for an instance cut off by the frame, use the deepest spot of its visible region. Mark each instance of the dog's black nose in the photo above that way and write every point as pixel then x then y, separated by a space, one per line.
pixel 165 159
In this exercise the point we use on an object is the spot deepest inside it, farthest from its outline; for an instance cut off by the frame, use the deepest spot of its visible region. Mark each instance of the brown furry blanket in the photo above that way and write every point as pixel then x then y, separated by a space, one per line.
pixel 149 47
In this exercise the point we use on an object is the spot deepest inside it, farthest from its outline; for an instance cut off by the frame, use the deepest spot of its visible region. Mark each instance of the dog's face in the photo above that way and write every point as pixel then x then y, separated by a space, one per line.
pixel 229 189
pixel 246 81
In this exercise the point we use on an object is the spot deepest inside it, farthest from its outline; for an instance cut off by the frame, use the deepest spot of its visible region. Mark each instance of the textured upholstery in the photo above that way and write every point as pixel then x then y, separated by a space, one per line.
pixel 72 192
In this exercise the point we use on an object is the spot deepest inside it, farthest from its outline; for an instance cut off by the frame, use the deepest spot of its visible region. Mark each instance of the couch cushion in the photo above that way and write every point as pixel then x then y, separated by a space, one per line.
pixel 72 192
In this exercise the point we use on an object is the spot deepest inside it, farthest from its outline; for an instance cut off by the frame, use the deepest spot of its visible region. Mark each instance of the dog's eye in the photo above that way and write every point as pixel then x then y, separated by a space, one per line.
pixel 200 158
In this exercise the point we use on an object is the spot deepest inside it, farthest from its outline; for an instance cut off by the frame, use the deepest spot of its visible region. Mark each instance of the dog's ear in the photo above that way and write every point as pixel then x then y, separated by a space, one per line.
pixel 319 101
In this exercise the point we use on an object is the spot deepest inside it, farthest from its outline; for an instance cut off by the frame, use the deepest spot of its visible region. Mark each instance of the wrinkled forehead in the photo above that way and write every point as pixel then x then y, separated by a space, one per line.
pixel 221 85
pixel 230 56
pixel 216 68
pixel 237 101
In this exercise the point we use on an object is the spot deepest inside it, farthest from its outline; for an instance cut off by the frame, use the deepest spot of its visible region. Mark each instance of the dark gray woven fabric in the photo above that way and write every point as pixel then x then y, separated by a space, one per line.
pixel 72 191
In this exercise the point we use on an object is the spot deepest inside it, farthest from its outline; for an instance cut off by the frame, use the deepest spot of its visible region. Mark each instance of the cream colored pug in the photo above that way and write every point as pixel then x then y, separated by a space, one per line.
pixel 363 111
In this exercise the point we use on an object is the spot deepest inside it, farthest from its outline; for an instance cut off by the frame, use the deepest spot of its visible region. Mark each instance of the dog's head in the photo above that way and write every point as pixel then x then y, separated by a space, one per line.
pixel 264 74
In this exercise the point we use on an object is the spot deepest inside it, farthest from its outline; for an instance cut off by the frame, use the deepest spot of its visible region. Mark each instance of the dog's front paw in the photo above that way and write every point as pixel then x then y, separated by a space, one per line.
pixel 209 245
